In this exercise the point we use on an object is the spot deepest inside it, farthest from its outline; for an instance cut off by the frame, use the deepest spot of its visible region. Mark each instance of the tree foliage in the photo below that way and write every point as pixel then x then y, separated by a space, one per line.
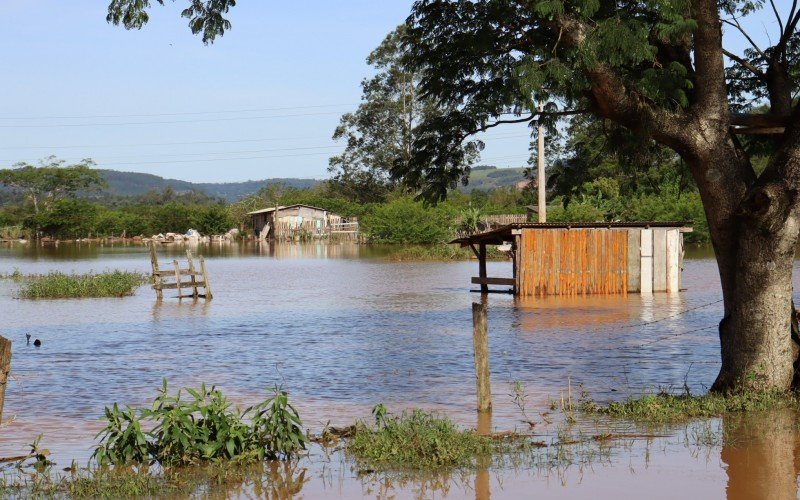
pixel 205 17
pixel 51 180
pixel 379 135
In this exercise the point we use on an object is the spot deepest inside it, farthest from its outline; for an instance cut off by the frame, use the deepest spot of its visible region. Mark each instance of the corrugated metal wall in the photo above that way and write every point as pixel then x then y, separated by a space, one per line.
pixel 573 261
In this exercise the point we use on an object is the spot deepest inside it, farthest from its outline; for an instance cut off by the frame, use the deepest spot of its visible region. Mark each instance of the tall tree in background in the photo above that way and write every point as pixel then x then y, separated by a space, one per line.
pixel 381 132
pixel 51 181
pixel 656 68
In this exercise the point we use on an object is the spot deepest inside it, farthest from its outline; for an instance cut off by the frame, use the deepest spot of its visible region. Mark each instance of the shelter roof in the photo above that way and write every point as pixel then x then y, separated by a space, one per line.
pixel 284 207
pixel 504 233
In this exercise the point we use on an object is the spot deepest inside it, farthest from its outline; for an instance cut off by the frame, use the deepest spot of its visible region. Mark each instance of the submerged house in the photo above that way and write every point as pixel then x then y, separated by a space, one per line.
pixel 581 258
pixel 301 221
pixel 285 220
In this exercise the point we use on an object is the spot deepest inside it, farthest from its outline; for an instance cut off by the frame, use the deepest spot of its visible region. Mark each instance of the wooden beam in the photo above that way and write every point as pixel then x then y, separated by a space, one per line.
pixel 156 273
pixel 482 266
pixel 172 286
pixel 480 344
pixel 5 369
pixel 206 283
pixel 493 281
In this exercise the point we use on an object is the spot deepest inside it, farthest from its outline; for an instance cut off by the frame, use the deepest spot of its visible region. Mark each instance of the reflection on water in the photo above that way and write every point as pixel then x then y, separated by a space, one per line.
pixel 762 455
pixel 342 329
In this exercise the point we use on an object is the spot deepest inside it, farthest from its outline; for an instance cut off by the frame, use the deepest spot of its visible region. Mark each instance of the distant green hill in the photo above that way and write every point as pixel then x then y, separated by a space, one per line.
pixel 485 178
pixel 134 183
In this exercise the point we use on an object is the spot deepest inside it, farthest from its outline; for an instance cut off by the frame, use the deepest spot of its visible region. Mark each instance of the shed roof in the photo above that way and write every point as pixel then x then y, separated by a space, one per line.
pixel 502 234
pixel 284 207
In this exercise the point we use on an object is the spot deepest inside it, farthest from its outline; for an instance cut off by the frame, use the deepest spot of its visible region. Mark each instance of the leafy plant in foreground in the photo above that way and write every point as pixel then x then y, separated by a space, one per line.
pixel 201 428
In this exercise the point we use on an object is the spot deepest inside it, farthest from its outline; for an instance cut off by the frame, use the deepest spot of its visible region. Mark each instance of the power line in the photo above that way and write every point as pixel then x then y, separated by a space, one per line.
pixel 216 153
pixel 169 122
pixel 187 113
pixel 163 143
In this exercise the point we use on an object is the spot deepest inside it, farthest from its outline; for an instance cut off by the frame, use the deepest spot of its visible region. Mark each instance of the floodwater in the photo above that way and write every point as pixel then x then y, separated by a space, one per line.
pixel 341 329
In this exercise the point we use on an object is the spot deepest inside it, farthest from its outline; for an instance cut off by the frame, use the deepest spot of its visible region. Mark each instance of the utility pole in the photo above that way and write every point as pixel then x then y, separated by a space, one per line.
pixel 540 168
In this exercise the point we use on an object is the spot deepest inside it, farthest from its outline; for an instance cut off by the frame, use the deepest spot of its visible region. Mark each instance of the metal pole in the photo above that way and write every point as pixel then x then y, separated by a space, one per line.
pixel 540 167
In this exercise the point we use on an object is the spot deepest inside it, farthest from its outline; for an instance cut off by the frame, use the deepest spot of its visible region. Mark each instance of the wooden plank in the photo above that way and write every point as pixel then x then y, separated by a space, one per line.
pixel 673 261
pixel 173 286
pixel 191 269
pixel 480 344
pixel 482 266
pixel 177 276
pixel 659 260
pixel 634 259
pixel 646 261
pixel 493 281
pixel 184 272
pixel 5 369
pixel 156 274
pixel 206 283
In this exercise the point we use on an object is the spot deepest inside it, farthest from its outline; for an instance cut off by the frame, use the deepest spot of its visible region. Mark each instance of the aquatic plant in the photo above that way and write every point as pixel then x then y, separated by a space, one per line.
pixel 415 440
pixel 665 407
pixel 58 285
pixel 202 428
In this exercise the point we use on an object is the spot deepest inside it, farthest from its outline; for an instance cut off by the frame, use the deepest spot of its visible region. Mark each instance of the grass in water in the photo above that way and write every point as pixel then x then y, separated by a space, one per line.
pixel 58 285
pixel 443 252
pixel 415 440
pixel 268 480
pixel 668 408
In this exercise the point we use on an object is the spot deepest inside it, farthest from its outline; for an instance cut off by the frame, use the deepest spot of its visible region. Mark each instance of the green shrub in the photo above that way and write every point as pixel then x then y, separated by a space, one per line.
pixel 57 285
pixel 202 428
pixel 407 221
pixel 416 440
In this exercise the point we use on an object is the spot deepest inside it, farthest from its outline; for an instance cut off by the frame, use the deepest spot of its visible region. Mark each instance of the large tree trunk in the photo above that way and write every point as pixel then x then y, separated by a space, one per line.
pixel 755 333
pixel 754 231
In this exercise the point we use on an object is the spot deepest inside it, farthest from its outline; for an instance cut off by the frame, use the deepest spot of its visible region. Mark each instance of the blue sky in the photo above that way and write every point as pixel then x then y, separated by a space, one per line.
pixel 260 102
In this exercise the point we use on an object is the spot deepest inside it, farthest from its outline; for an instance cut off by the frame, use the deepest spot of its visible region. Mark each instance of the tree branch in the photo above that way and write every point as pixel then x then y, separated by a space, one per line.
pixel 745 64
pixel 738 26
pixel 711 93
pixel 777 16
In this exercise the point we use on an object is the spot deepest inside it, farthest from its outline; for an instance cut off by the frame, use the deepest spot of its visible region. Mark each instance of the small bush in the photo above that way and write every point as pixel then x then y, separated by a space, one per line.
pixel 416 440
pixel 664 407
pixel 406 221
pixel 202 428
pixel 57 285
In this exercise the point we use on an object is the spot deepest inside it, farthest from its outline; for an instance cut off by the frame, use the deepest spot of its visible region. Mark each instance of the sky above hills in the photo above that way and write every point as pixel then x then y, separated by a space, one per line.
pixel 262 101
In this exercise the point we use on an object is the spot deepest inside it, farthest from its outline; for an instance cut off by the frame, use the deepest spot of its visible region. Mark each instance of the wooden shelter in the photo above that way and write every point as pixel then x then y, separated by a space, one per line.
pixel 283 220
pixel 585 258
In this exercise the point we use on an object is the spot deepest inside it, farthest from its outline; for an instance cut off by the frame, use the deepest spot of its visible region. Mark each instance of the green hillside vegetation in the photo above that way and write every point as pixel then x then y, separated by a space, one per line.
pixel 135 184
pixel 486 178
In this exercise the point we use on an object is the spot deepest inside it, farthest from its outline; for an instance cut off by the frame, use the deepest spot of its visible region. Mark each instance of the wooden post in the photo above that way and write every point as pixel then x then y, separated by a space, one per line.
pixel 191 271
pixel 482 267
pixel 178 277
pixel 206 284
pixel 480 342
pixel 542 179
pixel 5 368
pixel 156 271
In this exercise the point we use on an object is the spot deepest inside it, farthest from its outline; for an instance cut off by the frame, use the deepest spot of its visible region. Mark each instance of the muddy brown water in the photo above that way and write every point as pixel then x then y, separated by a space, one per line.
pixel 341 328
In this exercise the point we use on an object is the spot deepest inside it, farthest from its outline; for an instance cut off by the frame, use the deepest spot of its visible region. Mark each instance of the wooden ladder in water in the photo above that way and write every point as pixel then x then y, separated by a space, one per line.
pixel 161 278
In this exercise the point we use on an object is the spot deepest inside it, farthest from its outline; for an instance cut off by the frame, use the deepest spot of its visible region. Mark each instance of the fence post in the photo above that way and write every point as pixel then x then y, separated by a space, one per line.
pixel 480 342
pixel 5 368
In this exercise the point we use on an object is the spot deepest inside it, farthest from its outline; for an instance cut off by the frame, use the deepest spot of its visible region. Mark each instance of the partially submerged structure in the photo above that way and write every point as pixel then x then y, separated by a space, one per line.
pixel 585 257
pixel 299 219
